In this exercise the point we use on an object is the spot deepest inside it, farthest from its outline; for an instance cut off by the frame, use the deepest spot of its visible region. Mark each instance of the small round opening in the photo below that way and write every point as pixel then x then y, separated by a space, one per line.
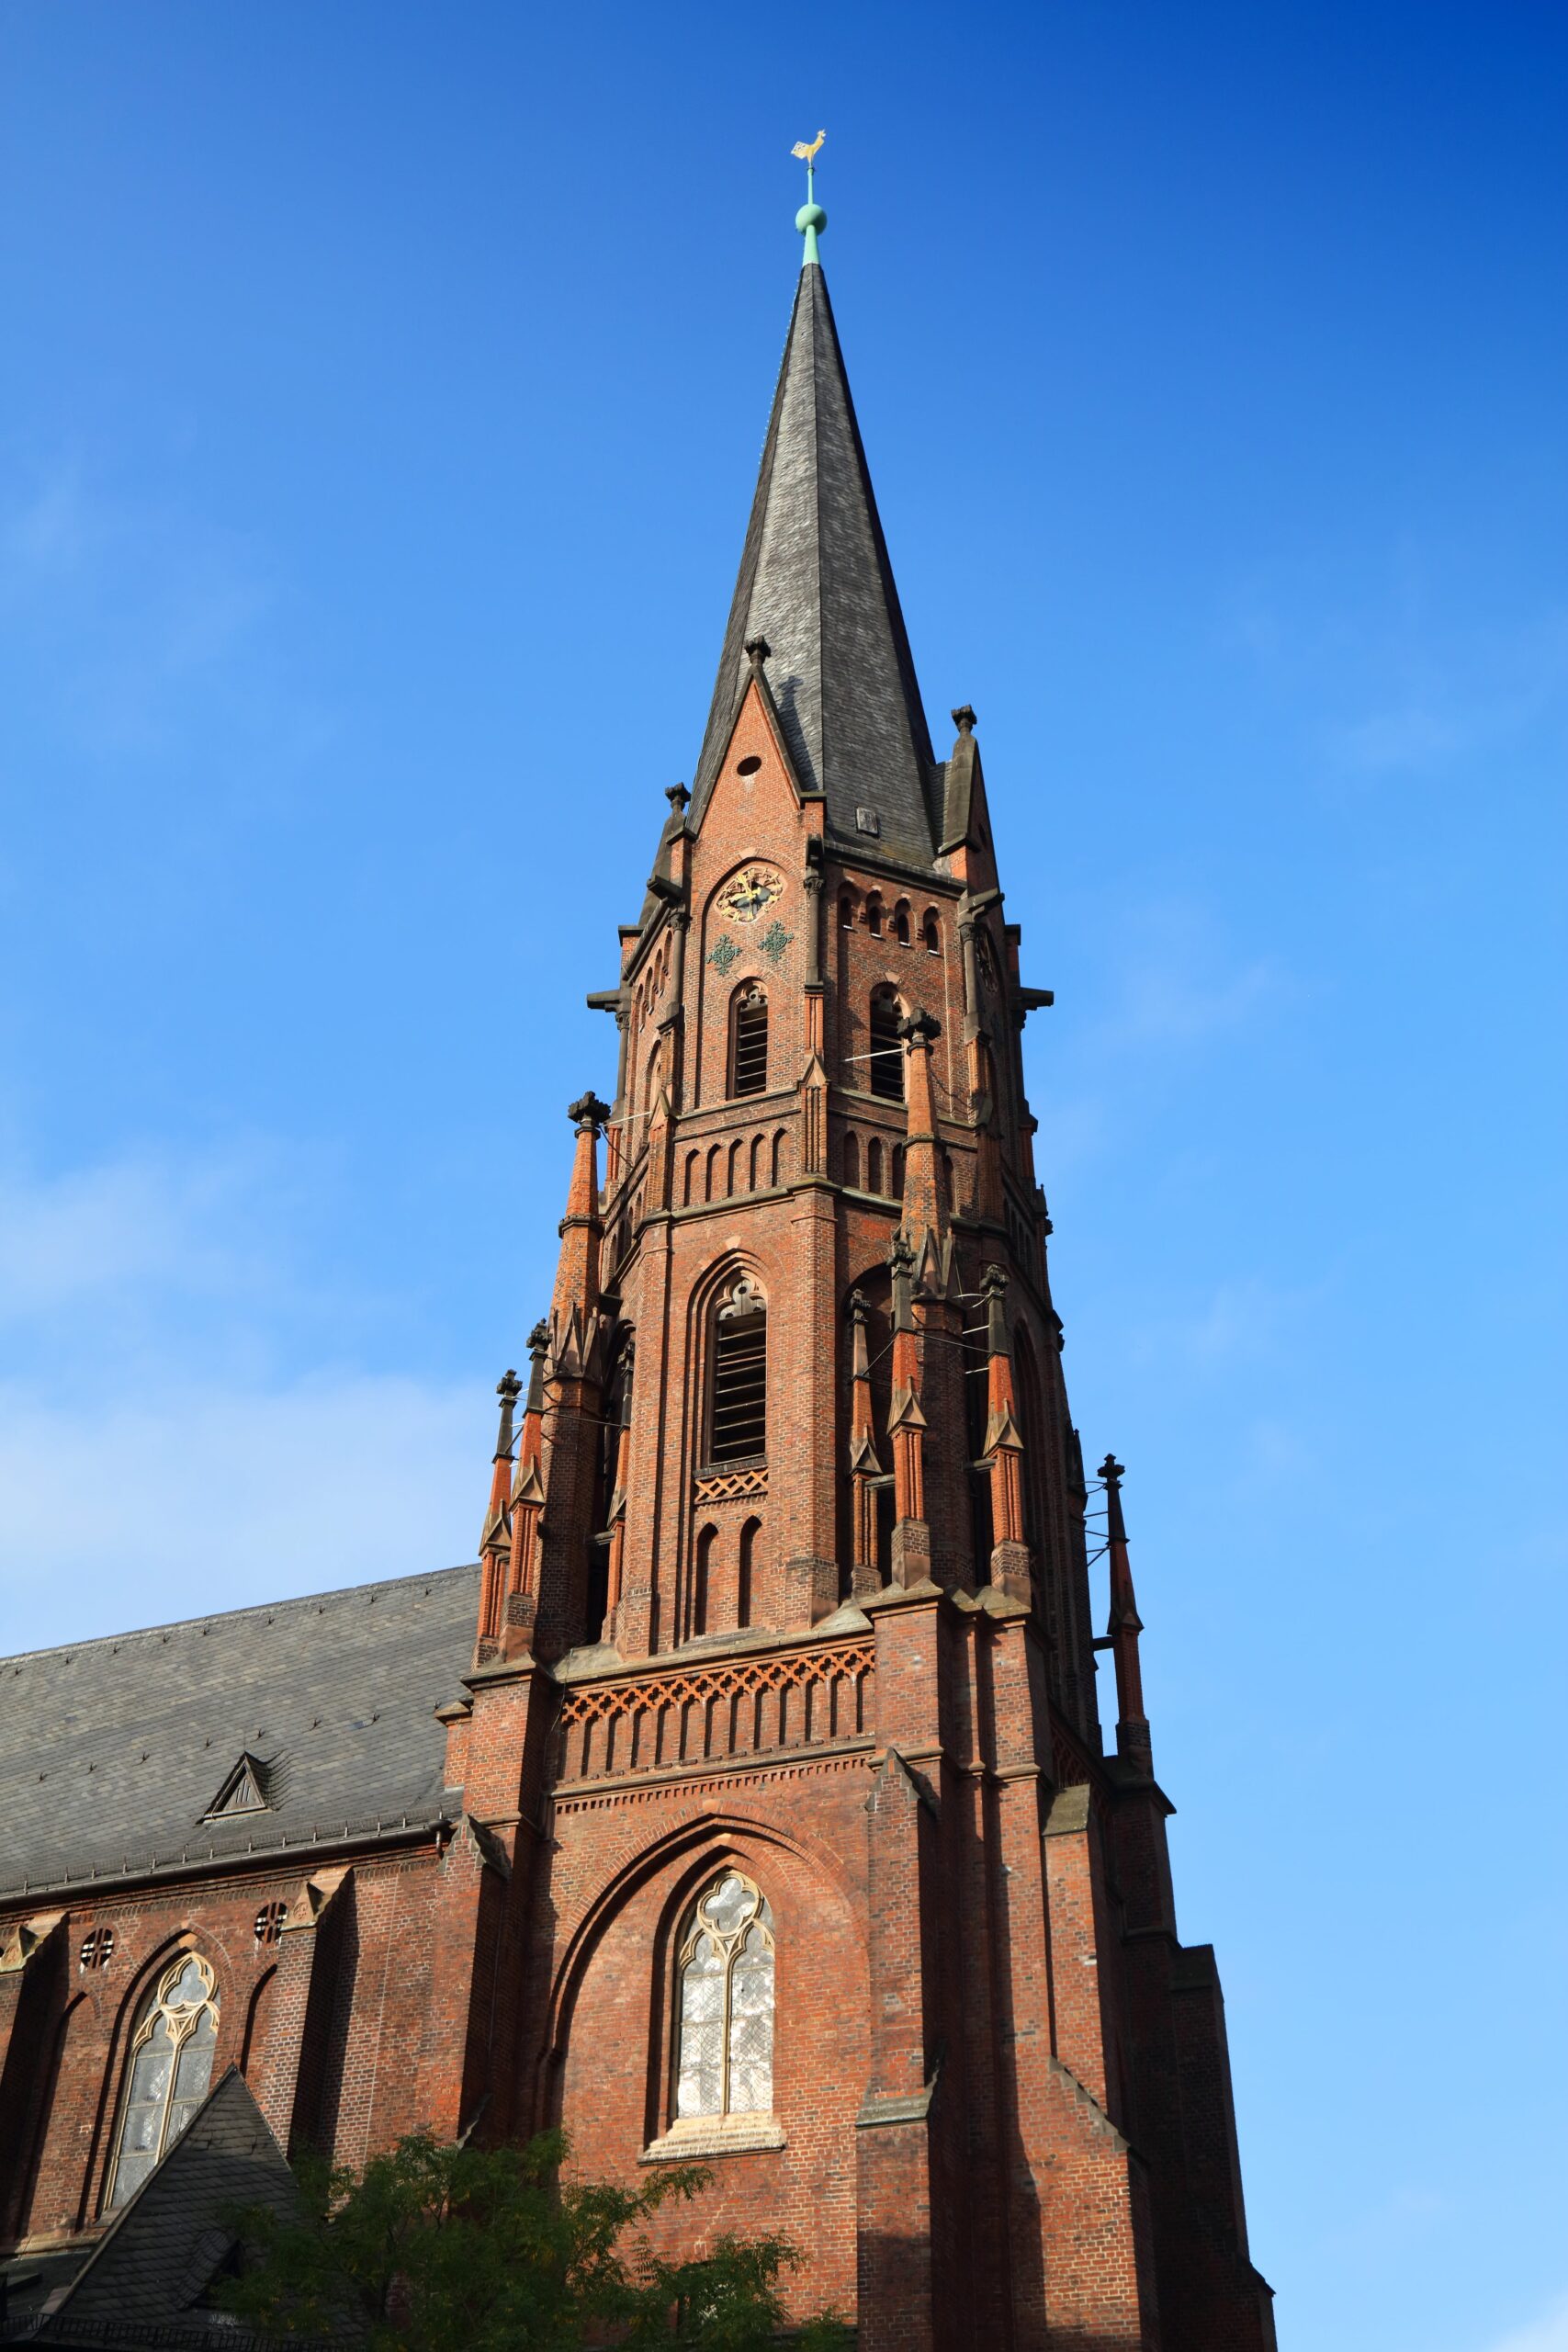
pixel 748 768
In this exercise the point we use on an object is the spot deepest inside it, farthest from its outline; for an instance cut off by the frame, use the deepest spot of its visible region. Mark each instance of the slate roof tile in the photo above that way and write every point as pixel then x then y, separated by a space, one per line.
pixel 164 2244
pixel 816 582
pixel 111 1751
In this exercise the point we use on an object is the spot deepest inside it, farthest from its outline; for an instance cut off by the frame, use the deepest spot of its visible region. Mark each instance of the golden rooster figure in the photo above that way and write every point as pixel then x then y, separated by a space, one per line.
pixel 808 152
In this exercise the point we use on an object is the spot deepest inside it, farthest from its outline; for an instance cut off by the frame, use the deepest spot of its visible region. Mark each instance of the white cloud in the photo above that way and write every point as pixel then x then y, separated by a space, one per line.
pixel 170 1439
pixel 144 1222
pixel 1178 986
pixel 161 1505
pixel 141 626
pixel 1238 1322
pixel 1422 684
pixel 1454 693
pixel 1547 2334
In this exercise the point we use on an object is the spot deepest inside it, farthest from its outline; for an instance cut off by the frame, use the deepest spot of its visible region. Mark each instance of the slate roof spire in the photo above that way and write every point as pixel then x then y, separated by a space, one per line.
pixel 816 584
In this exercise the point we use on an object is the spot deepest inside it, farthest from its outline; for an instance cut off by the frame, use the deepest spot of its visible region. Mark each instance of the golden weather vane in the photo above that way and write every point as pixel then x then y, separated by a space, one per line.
pixel 811 217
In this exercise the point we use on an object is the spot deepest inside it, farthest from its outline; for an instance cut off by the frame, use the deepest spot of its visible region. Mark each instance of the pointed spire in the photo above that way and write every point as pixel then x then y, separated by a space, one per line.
pixel 495 1536
pixel 906 1427
pixel 577 1275
pixel 816 586
pixel 1125 1625
pixel 1010 1562
pixel 924 1205
pixel 959 780
pixel 865 1467
pixel 513 1628
pixel 508 1388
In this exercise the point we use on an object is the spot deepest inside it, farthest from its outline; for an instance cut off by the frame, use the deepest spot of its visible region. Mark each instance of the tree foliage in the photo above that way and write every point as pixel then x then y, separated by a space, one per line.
pixel 441 2248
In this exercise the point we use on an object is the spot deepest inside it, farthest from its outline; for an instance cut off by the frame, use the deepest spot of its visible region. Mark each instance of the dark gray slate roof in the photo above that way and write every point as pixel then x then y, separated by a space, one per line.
pixel 816 582
pixel 112 1751
pixel 159 2256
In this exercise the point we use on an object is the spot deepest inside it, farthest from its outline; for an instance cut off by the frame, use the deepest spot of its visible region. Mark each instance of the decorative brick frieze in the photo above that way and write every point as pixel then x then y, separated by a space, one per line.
pixel 698 1714
pixel 730 1486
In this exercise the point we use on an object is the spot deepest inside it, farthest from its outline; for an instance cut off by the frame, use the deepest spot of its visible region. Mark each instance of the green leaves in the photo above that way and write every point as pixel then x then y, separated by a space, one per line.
pixel 438 2248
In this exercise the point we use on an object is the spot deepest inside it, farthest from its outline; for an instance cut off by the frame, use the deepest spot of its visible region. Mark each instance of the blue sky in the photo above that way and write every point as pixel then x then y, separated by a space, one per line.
pixel 383 393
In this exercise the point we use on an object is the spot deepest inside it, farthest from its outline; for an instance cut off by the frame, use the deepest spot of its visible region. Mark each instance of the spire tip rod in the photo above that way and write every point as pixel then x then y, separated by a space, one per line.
pixel 810 220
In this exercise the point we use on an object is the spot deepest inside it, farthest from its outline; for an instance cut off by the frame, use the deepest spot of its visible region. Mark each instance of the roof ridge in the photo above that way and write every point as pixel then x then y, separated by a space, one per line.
pixel 247 1608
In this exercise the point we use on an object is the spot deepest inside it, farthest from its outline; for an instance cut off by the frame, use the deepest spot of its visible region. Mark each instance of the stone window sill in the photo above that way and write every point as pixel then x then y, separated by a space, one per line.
pixel 713 2135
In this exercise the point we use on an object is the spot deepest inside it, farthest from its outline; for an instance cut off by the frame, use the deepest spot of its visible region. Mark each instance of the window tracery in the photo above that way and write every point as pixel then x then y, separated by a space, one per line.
pixel 725 2059
pixel 167 2072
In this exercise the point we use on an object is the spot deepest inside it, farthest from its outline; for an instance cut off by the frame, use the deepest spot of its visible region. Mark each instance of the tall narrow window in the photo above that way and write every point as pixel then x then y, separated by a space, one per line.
pixel 930 932
pixel 725 2062
pixel 901 922
pixel 167 2072
pixel 738 1412
pixel 874 914
pixel 746 1574
pixel 873 1166
pixel 702 1579
pixel 887 1051
pixel 749 1043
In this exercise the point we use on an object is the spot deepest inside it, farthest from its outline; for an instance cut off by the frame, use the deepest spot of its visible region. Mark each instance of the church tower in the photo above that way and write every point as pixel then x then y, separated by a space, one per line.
pixel 746 1801
pixel 796 1849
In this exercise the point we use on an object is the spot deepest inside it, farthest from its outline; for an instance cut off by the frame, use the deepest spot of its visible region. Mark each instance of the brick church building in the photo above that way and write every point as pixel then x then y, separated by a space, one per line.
pixel 746 1799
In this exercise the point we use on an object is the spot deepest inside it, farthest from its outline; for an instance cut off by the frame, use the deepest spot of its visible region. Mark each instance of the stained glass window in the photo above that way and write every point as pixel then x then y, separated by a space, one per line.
pixel 725 2064
pixel 169 2071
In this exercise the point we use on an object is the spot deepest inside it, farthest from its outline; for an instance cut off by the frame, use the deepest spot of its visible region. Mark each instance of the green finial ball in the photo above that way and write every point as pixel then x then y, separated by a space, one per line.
pixel 810 216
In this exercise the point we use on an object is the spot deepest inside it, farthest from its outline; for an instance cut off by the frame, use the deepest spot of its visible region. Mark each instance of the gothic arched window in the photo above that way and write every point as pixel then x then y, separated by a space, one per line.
pixel 887 1051
pixel 167 2072
pixel 725 2059
pixel 748 1042
pixel 738 1415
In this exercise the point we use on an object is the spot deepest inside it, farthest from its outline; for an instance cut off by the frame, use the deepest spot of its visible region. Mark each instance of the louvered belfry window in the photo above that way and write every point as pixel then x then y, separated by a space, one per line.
pixel 725 2059
pixel 887 1049
pixel 738 1421
pixel 748 1044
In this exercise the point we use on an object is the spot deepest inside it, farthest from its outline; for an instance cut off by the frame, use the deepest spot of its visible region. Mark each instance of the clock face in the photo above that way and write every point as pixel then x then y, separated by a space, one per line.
pixel 751 892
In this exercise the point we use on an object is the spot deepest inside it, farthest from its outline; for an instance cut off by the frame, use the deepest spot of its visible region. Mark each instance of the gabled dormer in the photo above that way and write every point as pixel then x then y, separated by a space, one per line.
pixel 243 1791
